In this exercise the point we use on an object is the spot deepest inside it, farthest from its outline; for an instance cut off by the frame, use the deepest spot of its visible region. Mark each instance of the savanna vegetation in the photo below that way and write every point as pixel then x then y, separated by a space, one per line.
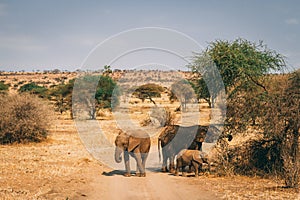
pixel 258 99
pixel 148 91
pixel 261 99
pixel 23 118
pixel 182 91
pixel 3 87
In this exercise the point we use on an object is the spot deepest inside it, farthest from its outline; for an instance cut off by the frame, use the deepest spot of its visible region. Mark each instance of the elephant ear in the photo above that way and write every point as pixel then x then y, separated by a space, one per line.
pixel 133 143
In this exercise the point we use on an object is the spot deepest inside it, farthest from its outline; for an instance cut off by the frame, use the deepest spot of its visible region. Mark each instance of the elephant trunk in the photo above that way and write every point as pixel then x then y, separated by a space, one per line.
pixel 118 157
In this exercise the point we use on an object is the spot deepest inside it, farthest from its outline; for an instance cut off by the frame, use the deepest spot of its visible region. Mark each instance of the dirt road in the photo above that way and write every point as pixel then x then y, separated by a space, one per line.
pixel 113 185
pixel 156 185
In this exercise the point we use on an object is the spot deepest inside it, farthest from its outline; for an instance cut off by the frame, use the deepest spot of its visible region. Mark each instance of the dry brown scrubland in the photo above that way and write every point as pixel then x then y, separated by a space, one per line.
pixel 61 168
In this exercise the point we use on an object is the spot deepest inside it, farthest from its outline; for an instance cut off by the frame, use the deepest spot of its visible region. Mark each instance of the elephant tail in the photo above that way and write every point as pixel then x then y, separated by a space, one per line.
pixel 159 156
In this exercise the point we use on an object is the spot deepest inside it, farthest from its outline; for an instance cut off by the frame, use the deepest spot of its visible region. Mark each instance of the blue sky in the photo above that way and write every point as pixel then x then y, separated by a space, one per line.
pixel 38 35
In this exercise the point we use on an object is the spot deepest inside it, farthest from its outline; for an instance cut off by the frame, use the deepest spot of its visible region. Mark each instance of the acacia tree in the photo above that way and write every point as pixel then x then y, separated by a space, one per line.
pixel 96 92
pixel 202 91
pixel 253 100
pixel 107 92
pixel 240 63
pixel 107 70
pixel 62 95
pixel 148 91
pixel 183 91
pixel 243 67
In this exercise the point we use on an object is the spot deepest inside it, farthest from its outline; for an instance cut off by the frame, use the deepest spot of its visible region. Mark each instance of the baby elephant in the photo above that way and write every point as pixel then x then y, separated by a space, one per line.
pixel 187 157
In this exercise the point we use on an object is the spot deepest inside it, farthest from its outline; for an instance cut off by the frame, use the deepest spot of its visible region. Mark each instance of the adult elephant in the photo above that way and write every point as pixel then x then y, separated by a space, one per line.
pixel 137 146
pixel 174 138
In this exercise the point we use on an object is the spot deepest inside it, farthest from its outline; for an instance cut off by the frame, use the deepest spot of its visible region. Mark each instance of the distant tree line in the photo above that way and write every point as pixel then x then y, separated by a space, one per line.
pixel 61 95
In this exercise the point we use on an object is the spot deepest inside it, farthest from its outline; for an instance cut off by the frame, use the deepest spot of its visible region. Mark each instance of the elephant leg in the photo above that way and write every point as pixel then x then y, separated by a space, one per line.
pixel 144 158
pixel 127 164
pixel 138 159
pixel 165 160
pixel 196 166
pixel 200 168
pixel 172 165
pixel 137 170
pixel 183 171
pixel 190 169
pixel 178 165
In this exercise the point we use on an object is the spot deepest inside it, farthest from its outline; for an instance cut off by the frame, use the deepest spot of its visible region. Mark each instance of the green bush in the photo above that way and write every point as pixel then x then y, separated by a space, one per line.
pixel 23 118
pixel 33 88
pixel 3 87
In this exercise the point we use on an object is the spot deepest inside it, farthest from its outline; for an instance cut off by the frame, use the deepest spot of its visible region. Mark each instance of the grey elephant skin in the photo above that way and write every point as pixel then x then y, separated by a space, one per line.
pixel 191 158
pixel 174 138
pixel 136 145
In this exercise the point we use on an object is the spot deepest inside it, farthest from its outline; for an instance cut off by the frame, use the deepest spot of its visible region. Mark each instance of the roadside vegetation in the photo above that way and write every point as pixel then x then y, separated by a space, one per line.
pixel 23 118
pixel 257 100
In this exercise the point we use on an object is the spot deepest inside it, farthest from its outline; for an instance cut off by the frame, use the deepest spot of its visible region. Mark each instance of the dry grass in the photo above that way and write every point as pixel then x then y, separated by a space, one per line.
pixel 16 80
pixel 241 187
pixel 57 168
pixel 60 168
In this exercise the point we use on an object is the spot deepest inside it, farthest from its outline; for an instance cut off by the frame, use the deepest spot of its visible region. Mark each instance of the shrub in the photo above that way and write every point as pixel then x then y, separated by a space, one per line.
pixel 33 88
pixel 23 118
pixel 3 87
pixel 163 115
pixel 256 157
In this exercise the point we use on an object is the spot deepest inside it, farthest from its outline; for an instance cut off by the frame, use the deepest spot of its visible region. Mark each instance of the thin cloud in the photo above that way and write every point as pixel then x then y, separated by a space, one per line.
pixel 292 21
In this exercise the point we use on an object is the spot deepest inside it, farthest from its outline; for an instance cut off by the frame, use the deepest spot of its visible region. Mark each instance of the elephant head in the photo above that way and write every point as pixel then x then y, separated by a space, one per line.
pixel 204 157
pixel 168 134
pixel 201 134
pixel 124 142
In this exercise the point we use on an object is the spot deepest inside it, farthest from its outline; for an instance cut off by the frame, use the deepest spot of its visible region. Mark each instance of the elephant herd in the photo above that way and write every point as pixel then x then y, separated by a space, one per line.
pixel 174 140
